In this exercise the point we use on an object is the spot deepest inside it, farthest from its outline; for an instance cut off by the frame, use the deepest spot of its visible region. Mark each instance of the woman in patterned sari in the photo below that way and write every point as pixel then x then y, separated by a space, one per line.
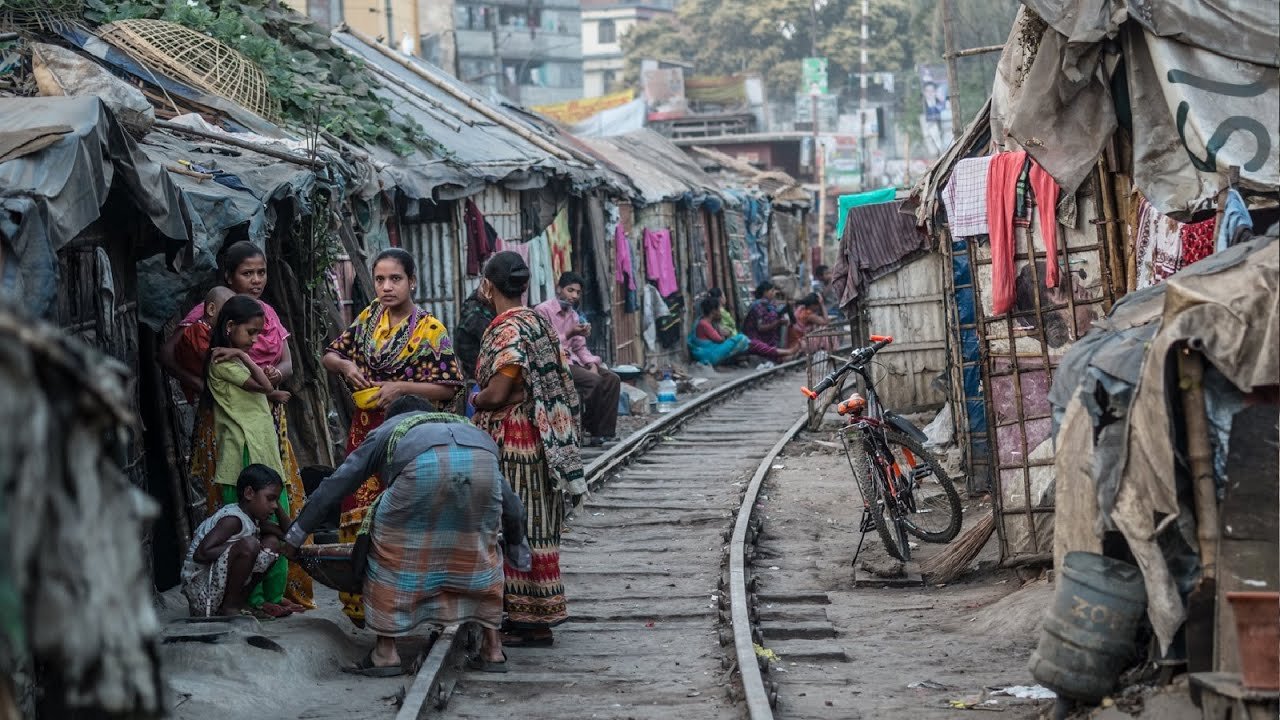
pixel 244 264
pixel 528 404
pixel 399 349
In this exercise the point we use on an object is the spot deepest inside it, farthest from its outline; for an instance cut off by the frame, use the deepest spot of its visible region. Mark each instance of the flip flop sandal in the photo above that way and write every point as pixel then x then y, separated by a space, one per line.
pixel 489 666
pixel 366 668
pixel 293 607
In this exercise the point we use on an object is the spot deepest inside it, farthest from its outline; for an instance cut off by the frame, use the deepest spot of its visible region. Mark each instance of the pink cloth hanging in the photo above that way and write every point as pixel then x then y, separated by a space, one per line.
pixel 1002 181
pixel 659 264
pixel 622 259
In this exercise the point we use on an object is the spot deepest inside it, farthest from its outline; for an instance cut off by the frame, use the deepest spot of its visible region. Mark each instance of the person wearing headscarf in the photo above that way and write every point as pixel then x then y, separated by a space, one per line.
pixel 528 404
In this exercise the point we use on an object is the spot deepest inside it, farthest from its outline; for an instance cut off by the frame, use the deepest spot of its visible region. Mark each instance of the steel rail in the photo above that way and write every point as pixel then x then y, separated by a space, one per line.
pixel 758 699
pixel 434 681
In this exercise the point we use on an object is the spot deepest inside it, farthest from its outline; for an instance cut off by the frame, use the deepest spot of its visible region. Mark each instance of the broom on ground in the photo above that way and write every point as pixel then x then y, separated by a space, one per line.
pixel 952 562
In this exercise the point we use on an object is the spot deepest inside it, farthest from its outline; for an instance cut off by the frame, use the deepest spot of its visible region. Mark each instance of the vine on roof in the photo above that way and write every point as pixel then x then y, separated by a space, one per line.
pixel 310 75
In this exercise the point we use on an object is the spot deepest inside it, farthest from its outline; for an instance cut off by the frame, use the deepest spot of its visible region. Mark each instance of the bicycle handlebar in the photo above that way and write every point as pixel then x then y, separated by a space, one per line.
pixel 860 357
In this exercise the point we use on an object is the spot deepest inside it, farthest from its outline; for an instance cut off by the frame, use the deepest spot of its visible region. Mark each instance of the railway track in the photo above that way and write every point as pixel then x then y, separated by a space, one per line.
pixel 654 568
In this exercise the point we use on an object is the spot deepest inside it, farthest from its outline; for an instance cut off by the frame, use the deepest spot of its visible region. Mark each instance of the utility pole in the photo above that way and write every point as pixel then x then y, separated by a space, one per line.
pixel 819 170
pixel 953 79
pixel 862 99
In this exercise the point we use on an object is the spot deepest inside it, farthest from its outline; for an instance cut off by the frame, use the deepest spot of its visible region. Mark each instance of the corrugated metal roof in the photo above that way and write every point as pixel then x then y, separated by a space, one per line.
pixel 779 186
pixel 658 170
pixel 483 144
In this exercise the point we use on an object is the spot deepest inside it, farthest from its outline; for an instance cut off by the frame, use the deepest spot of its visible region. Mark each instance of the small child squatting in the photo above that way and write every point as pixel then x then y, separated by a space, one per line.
pixel 234 547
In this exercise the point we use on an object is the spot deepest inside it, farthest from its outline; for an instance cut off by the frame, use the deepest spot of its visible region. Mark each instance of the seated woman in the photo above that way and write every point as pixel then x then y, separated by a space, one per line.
pixel 228 554
pixel 707 344
pixel 765 323
pixel 726 326
pixel 810 317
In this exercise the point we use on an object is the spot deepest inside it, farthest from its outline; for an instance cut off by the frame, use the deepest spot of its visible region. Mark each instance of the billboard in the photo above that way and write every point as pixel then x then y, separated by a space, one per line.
pixel 576 111
pixel 664 92
pixel 935 115
pixel 813 75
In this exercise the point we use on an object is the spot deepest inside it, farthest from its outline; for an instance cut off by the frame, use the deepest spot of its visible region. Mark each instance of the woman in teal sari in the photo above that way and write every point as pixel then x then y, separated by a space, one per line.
pixel 710 343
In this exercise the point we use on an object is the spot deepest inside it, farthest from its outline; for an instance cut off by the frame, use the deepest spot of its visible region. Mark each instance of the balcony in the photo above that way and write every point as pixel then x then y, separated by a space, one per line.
pixel 516 43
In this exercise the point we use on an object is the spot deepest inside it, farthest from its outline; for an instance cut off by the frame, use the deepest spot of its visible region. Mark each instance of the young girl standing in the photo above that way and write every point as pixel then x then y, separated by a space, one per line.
pixel 237 389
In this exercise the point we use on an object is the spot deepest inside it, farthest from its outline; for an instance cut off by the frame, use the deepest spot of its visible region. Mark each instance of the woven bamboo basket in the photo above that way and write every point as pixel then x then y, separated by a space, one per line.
pixel 196 59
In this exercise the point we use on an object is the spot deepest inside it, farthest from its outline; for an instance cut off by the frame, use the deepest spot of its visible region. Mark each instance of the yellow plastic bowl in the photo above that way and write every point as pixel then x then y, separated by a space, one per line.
pixel 366 399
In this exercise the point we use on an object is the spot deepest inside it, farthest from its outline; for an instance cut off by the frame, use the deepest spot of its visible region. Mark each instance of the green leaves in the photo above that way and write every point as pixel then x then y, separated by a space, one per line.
pixel 314 81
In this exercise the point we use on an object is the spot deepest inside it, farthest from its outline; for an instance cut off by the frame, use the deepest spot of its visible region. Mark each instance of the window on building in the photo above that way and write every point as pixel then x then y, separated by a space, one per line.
pixel 610 80
pixel 606 32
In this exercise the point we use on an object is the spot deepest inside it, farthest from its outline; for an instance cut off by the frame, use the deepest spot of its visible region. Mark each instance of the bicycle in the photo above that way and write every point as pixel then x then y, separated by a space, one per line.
pixel 903 486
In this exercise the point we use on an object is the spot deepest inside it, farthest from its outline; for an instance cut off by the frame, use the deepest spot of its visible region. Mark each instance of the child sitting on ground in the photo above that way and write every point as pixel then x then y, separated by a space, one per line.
pixel 192 344
pixel 234 547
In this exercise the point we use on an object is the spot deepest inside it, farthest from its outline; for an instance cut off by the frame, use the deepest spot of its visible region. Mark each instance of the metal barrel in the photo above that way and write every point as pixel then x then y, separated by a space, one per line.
pixel 1088 634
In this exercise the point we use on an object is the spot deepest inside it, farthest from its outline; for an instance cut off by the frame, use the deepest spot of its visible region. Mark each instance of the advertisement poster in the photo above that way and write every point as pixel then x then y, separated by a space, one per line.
pixel 664 92
pixel 935 118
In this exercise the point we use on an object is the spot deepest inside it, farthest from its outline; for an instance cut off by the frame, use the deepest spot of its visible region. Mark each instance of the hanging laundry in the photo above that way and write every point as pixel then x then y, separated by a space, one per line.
pixel 1046 196
pixel 659 263
pixel 624 269
pixel 1236 225
pixel 1157 244
pixel 542 282
pixel 1197 240
pixel 654 308
pixel 965 197
pixel 481 238
pixel 560 244
pixel 1002 191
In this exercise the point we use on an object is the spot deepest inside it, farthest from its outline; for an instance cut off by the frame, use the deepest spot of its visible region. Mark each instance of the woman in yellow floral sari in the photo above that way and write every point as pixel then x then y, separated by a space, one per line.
pixel 401 350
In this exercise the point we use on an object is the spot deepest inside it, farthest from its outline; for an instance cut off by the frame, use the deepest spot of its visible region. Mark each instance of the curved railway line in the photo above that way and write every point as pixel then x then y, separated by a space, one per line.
pixel 655 563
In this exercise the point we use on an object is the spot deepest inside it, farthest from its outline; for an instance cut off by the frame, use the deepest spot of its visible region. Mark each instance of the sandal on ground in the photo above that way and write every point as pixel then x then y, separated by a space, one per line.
pixel 518 639
pixel 489 666
pixel 366 668
pixel 274 610
pixel 293 607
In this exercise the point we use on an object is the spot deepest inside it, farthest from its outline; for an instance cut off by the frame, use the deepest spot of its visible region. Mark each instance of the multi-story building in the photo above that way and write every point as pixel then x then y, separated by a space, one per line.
pixel 529 50
pixel 604 22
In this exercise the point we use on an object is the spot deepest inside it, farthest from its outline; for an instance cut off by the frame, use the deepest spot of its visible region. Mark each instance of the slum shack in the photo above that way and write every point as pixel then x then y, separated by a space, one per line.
pixel 1110 285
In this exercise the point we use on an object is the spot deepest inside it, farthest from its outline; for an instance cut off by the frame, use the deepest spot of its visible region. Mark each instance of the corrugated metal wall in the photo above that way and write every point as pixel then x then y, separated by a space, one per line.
pixel 628 344
pixel 438 249
pixel 908 304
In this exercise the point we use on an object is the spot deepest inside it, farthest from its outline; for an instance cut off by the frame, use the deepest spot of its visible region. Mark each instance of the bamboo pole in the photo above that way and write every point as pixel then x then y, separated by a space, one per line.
pixel 1199 457
pixel 472 102
pixel 231 140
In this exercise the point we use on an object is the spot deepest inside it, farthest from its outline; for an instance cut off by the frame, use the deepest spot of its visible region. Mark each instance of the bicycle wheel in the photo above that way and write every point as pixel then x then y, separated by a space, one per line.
pixel 872 486
pixel 929 501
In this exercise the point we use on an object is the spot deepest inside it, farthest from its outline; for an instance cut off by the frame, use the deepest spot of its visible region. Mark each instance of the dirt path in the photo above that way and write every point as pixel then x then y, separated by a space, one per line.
pixel 874 652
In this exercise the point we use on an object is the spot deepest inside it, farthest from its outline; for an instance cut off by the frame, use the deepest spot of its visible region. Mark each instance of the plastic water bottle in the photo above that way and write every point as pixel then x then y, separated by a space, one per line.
pixel 666 393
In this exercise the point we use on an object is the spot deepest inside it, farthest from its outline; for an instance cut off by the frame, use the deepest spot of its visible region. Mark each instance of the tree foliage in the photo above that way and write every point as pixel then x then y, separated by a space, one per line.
pixel 771 38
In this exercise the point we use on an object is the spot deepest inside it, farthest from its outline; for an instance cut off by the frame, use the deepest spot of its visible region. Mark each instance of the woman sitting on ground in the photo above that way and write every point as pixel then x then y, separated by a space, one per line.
pixel 811 317
pixel 726 325
pixel 707 344
pixel 765 325
pixel 229 553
